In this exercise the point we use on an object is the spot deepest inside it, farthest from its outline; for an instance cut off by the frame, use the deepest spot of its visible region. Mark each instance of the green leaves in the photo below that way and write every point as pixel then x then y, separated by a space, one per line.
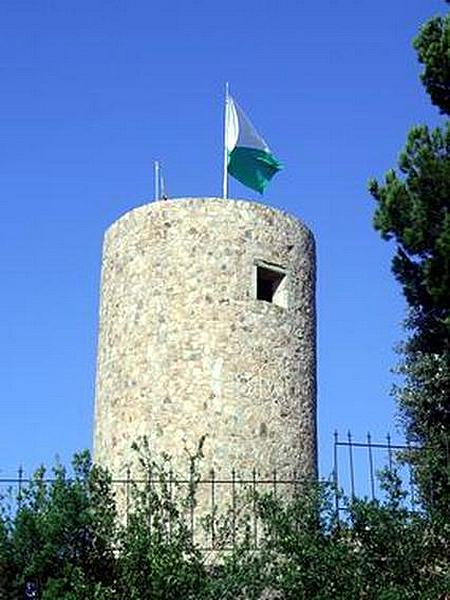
pixel 413 210
pixel 70 540
pixel 58 529
pixel 433 50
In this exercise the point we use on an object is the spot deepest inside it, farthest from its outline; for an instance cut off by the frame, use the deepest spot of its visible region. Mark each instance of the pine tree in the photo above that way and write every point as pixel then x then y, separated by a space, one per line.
pixel 413 210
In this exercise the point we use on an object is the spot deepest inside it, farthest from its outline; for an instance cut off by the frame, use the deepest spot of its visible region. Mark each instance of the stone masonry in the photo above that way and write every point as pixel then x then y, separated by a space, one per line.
pixel 187 349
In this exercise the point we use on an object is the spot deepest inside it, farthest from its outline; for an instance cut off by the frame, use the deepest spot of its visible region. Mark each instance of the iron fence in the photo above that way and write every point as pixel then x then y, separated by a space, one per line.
pixel 357 466
pixel 220 511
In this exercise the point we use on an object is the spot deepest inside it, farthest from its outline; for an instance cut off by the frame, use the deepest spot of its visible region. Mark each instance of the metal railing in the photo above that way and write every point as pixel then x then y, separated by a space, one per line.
pixel 357 466
pixel 221 510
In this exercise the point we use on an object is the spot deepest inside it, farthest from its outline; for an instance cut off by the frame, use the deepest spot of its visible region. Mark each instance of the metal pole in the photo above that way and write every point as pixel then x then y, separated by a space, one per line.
pixel 372 477
pixel 213 508
pixel 162 183
pixel 19 496
pixel 170 503
pixel 411 478
pixel 255 517
pixel 388 438
pixel 149 506
pixel 233 500
pixel 335 474
pixel 350 457
pixel 191 501
pixel 127 492
pixel 156 179
pixel 225 151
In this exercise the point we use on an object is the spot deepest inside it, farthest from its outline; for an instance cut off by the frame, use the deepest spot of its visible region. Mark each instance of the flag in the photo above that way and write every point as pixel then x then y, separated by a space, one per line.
pixel 250 160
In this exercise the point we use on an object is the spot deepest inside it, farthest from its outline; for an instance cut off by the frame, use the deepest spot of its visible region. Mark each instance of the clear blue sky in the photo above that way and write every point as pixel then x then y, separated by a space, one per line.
pixel 93 92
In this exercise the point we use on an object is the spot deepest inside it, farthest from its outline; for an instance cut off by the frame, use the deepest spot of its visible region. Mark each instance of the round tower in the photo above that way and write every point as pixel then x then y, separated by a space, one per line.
pixel 207 328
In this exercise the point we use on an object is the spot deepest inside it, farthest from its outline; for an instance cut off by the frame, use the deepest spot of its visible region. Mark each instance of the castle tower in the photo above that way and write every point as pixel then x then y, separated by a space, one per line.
pixel 207 327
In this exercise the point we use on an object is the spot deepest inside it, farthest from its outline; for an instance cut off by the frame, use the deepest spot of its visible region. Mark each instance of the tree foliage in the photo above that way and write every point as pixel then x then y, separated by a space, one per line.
pixel 433 51
pixel 61 532
pixel 69 539
pixel 413 210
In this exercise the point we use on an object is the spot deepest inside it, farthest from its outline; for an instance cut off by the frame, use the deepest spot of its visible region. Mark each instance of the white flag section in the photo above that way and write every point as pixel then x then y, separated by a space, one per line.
pixel 250 160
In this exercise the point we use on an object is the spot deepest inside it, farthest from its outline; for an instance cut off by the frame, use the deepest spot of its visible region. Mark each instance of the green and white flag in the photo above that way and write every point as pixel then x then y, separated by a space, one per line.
pixel 249 159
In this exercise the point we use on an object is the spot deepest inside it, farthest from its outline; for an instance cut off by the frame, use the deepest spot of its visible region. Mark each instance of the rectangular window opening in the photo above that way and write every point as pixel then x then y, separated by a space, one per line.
pixel 271 285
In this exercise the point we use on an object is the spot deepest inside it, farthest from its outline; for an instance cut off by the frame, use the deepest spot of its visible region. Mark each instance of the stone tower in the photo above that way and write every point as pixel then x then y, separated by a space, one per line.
pixel 207 327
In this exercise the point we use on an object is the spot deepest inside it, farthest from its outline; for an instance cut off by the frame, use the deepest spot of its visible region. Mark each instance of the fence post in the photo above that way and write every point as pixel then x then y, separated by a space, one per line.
pixel 127 493
pixel 233 501
pixel 335 474
pixel 410 476
pixel 275 483
pixel 150 495
pixel 170 503
pixel 294 479
pixel 20 481
pixel 372 479
pixel 350 458
pixel 255 516
pixel 191 501
pixel 213 514
pixel 388 439
pixel 296 496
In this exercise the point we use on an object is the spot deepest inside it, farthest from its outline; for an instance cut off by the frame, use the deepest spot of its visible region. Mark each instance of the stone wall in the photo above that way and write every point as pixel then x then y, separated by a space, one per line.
pixel 186 349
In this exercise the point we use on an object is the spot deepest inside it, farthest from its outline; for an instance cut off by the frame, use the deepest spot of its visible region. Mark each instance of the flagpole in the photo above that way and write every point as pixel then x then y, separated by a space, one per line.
pixel 162 184
pixel 156 179
pixel 225 153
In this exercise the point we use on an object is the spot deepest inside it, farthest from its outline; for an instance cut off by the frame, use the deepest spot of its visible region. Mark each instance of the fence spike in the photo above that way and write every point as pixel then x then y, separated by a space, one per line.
pixel 350 457
pixel 371 473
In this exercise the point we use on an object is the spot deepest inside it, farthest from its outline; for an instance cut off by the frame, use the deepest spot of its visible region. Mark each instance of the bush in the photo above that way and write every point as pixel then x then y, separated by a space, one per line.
pixel 65 540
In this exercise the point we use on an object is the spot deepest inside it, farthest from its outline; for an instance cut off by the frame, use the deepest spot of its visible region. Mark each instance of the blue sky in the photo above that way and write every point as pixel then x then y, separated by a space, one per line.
pixel 93 92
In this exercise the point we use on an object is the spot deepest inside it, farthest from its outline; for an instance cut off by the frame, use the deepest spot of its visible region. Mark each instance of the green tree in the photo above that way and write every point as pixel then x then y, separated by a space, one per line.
pixel 60 535
pixel 69 539
pixel 413 210
pixel 380 550
pixel 432 45
pixel 158 558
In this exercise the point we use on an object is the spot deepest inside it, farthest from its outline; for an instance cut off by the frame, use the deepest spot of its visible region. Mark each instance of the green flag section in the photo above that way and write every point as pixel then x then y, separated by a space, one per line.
pixel 250 160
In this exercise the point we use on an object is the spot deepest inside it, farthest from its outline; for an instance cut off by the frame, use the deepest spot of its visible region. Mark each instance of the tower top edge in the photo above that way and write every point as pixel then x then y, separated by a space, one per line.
pixel 199 201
